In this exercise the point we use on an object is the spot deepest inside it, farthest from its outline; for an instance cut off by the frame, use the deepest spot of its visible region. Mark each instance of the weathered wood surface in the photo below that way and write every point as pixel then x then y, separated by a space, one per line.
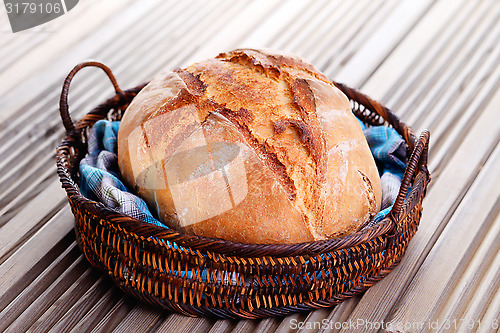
pixel 435 63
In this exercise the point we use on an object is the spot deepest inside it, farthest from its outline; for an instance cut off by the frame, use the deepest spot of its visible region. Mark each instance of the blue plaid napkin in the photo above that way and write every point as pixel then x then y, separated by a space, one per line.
pixel 389 152
pixel 100 176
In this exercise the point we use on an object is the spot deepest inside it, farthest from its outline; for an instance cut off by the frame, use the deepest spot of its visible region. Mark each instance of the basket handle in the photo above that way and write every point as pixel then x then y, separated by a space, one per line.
pixel 417 161
pixel 63 101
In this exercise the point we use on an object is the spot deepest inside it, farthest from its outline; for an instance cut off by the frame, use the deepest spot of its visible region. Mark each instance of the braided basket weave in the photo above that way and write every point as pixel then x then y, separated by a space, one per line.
pixel 199 276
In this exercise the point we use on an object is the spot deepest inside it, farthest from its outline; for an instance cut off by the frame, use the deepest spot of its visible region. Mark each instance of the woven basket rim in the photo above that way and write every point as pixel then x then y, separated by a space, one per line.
pixel 156 234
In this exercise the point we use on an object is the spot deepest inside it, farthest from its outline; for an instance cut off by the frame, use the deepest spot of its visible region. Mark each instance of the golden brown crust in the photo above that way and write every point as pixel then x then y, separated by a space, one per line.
pixel 193 83
pixel 265 153
pixel 295 168
pixel 312 134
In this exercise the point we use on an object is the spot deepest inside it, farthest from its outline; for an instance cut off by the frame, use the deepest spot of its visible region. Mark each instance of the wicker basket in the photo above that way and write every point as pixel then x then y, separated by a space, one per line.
pixel 212 277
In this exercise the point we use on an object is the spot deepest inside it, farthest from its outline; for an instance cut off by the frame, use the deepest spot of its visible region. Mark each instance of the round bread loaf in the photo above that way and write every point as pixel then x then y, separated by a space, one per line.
pixel 252 146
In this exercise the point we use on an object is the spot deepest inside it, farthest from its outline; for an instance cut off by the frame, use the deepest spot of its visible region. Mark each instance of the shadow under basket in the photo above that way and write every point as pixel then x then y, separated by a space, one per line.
pixel 199 276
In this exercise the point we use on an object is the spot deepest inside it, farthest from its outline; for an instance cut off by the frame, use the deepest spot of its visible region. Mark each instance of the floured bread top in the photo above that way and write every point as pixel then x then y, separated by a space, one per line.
pixel 252 146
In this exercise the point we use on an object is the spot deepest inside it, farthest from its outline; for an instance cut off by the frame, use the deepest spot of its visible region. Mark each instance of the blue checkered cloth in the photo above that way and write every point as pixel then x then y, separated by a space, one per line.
pixel 100 175
pixel 389 152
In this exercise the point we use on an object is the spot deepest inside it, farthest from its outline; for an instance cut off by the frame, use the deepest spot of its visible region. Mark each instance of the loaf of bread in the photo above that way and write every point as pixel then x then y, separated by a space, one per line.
pixel 252 146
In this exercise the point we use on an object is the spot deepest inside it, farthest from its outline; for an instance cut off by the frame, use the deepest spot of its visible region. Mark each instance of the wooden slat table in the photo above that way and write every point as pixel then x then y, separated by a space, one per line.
pixel 435 63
